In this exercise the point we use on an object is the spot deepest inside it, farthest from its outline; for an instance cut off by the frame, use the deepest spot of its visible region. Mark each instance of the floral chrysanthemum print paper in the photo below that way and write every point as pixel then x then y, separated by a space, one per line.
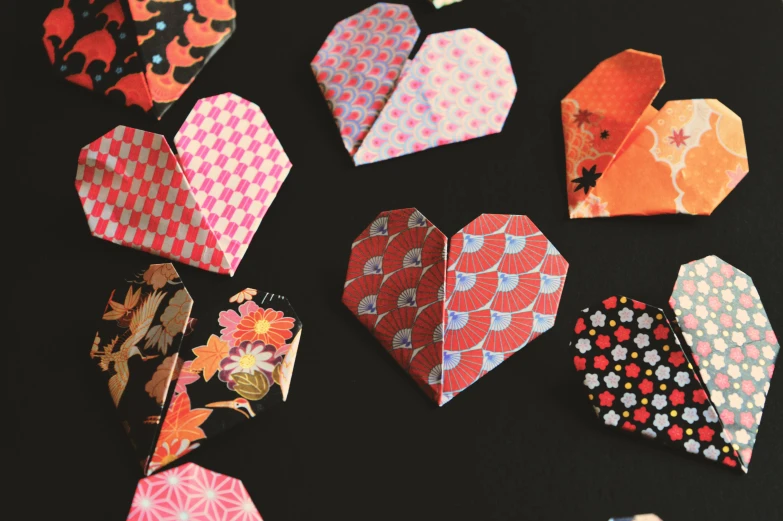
pixel 639 379
pixel 459 86
pixel 624 157
pixel 450 318
pixel 143 52
pixel 724 322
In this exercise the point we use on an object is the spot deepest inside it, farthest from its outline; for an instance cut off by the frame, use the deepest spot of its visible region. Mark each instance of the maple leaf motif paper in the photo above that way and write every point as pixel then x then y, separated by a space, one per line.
pixel 201 208
pixel 174 395
pixel 624 157
pixel 449 319
pixel 139 52
pixel 639 379
pixel 459 86
pixel 192 492
pixel 724 322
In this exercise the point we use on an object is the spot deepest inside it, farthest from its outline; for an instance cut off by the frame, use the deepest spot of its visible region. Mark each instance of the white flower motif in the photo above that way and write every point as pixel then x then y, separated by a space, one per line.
pixel 738 337
pixel 659 401
pixel 682 378
pixel 611 418
pixel 718 362
pixel 711 261
pixel 711 453
pixel 583 345
pixel 757 373
pixel 619 353
pixel 703 287
pixel 626 315
pixel 629 400
pixel 768 352
pixel 649 433
pixel 652 357
pixel 598 319
pixel 735 401
pixel 742 316
pixel 688 338
pixel 701 311
pixel 720 344
pixel 591 381
pixel 711 327
pixel 727 295
pixel 705 376
pixel 642 340
pixel 759 319
pixel 645 321
pixel 711 415
pixel 692 446
pixel 612 380
pixel 661 421
pixel 742 437
pixel 685 302
pixel 741 283
pixel 759 399
pixel 663 372
pixel 754 292
pixel 701 270
pixel 690 415
pixel 717 397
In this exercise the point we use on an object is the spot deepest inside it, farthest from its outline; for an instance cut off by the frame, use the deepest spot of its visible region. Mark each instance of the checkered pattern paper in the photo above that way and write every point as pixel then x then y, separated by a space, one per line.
pixel 235 166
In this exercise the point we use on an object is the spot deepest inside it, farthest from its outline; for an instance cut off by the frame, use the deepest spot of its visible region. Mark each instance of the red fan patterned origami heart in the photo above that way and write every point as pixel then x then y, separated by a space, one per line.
pixel 201 207
pixel 448 323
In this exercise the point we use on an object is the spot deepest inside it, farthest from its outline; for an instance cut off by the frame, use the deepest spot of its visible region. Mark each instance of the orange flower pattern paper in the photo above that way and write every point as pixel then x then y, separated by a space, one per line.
pixel 624 157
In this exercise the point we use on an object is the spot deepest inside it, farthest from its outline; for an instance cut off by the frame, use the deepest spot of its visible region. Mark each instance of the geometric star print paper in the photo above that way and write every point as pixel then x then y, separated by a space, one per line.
pixel 639 380
pixel 459 86
pixel 724 322
pixel 191 492
pixel 172 397
pixel 141 52
pixel 450 319
pixel 624 157
pixel 202 207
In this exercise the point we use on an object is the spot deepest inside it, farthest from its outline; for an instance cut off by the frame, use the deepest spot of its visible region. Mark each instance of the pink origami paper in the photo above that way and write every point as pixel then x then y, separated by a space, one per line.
pixel 201 208
pixel 190 492
pixel 459 86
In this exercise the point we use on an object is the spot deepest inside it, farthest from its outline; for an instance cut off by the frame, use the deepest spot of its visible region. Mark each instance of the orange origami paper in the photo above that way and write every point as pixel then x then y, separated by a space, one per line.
pixel 624 157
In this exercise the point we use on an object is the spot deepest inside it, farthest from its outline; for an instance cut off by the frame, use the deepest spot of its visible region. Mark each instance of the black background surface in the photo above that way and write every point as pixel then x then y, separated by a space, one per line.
pixel 357 440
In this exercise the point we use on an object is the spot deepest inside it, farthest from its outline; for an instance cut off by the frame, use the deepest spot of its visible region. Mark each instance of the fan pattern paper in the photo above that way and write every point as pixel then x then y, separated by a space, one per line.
pixel 501 290
pixel 235 166
pixel 135 193
pixel 624 157
pixel 459 86
pixel 639 379
pixel 724 322
pixel 194 493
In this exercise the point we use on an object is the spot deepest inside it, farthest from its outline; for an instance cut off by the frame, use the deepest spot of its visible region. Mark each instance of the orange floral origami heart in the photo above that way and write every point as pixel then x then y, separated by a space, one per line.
pixel 624 157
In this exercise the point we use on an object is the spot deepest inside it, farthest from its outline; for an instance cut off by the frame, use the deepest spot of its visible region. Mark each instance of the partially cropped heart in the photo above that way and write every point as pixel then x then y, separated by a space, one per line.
pixel 449 323
pixel 460 85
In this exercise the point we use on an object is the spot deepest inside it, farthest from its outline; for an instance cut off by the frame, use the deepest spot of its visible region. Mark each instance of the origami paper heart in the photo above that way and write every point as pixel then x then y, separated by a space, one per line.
pixel 171 398
pixel 150 58
pixel 724 322
pixel 192 492
pixel 460 85
pixel 449 326
pixel 640 380
pixel 624 157
pixel 201 209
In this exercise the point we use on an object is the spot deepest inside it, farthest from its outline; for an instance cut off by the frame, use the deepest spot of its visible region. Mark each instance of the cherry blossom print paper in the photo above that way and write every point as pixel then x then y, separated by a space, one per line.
pixel 459 86
pixel 639 379
pixel 624 157
pixel 724 322
pixel 448 318
pixel 201 207
pixel 191 492
pixel 140 52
